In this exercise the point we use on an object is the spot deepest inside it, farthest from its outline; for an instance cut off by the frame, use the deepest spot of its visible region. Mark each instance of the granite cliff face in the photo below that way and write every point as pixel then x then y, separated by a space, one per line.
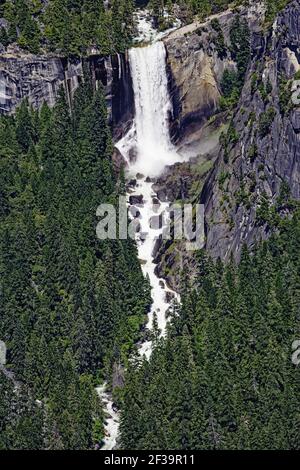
pixel 196 64
pixel 256 171
pixel 39 78
pixel 260 157
pixel 195 69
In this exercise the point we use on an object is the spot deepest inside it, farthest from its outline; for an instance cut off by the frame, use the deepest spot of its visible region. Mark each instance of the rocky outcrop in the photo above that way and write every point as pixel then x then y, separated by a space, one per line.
pixel 39 78
pixel 195 71
pixel 179 183
pixel 260 158
pixel 197 55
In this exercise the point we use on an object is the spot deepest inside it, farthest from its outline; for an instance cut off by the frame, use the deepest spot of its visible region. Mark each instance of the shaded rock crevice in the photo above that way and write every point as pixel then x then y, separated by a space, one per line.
pixel 39 78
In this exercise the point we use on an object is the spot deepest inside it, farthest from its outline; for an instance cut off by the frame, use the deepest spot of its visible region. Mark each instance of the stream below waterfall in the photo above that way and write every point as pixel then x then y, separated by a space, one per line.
pixel 149 141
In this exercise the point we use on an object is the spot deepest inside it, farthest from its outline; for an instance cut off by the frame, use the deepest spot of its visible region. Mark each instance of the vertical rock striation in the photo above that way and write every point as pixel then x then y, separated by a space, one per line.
pixel 260 157
pixel 38 78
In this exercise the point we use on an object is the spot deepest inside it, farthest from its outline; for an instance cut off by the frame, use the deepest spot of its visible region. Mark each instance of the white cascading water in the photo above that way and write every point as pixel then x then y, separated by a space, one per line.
pixel 151 144
pixel 112 419
pixel 154 149
pixel 153 152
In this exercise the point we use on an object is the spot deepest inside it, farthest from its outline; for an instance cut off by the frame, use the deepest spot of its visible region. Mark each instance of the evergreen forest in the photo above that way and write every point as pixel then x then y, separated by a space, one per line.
pixel 70 310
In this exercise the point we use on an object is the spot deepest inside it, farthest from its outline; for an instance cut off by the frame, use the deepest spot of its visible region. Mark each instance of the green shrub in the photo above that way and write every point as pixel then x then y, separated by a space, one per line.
pixel 297 75
pixel 220 40
pixel 265 90
pixel 285 94
pixel 232 135
pixel 229 82
pixel 263 211
pixel 273 7
pixel 265 121
pixel 4 39
pixel 240 46
pixel 254 82
pixel 223 177
pixel 233 81
pixel 252 152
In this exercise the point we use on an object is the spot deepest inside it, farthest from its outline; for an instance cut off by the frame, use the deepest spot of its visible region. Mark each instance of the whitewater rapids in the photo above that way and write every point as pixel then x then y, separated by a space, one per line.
pixel 150 143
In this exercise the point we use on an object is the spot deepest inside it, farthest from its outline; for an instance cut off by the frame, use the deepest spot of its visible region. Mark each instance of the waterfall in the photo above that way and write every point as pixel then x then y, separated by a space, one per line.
pixel 153 151
pixel 153 147
pixel 150 144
